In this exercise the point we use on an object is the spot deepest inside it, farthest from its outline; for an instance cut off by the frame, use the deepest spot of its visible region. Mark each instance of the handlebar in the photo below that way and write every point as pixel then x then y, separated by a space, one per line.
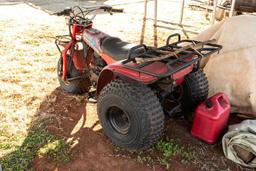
pixel 68 11
pixel 78 15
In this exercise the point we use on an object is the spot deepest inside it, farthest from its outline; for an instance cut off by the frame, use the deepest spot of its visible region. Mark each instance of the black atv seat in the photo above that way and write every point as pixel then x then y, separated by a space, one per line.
pixel 116 48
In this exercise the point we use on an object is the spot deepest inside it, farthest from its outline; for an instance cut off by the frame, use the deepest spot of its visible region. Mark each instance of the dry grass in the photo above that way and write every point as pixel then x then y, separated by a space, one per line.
pixel 27 73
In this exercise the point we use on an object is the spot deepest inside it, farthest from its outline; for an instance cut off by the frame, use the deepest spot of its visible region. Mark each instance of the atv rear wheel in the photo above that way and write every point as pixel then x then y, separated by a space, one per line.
pixel 130 114
pixel 76 86
pixel 195 91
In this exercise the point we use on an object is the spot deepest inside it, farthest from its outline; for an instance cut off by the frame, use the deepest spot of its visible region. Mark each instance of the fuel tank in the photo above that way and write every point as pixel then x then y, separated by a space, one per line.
pixel 211 118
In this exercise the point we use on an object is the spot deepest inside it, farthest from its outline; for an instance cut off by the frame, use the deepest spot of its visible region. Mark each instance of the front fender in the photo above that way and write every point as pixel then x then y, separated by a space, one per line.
pixel 106 76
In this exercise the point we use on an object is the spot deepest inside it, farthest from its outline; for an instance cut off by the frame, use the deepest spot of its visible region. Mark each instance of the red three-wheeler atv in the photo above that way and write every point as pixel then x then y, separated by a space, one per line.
pixel 136 86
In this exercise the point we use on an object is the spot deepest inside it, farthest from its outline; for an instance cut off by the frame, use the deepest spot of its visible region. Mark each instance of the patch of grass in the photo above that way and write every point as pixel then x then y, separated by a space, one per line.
pixel 118 149
pixel 4 130
pixel 38 142
pixel 21 158
pixel 8 143
pixel 144 159
pixel 162 153
pixel 50 69
pixel 57 150
pixel 164 162
pixel 5 146
pixel 10 80
pixel 32 42
pixel 48 36
pixel 170 148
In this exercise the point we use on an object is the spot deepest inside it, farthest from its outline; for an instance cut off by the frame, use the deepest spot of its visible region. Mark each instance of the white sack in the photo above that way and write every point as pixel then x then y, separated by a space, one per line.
pixel 233 70
pixel 244 136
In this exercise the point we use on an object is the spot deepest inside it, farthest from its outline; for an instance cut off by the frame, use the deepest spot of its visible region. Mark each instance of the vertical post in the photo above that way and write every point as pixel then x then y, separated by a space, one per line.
pixel 232 8
pixel 155 24
pixel 181 11
pixel 214 11
pixel 144 22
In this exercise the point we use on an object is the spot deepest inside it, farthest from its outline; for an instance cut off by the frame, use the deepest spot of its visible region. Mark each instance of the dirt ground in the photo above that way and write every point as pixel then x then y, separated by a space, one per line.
pixel 78 121
pixel 29 89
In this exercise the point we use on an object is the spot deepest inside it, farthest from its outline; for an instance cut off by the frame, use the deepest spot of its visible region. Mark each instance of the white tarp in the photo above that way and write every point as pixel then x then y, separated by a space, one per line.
pixel 242 136
pixel 233 70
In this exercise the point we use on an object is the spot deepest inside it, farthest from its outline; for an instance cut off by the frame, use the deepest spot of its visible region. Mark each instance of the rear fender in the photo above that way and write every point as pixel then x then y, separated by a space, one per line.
pixel 116 69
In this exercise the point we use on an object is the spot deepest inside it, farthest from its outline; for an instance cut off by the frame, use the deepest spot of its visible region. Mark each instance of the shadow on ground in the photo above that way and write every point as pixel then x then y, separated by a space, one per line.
pixel 66 135
pixel 81 144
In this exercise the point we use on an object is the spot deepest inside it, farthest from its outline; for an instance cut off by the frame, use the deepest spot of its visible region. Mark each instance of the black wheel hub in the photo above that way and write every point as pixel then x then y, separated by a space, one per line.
pixel 119 120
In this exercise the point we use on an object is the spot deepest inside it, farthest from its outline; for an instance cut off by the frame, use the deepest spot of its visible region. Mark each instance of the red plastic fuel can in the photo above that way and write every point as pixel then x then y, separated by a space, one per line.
pixel 211 118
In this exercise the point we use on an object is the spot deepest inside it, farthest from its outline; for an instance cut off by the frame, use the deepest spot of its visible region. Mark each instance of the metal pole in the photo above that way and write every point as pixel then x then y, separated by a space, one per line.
pixel 214 11
pixel 232 8
pixel 155 25
pixel 181 11
pixel 144 22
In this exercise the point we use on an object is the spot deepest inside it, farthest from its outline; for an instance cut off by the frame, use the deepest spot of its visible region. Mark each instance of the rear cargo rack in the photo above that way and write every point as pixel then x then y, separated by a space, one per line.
pixel 181 54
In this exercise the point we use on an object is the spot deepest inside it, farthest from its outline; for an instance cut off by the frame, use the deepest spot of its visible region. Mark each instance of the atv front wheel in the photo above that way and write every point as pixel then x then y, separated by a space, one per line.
pixel 130 114
pixel 195 91
pixel 77 86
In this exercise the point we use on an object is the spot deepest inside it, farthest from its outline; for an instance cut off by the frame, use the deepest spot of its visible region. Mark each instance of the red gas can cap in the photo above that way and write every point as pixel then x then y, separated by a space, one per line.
pixel 208 103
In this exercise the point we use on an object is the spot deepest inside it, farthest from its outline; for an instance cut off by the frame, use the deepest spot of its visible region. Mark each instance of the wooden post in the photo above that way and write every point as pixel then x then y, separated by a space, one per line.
pixel 144 22
pixel 181 11
pixel 214 11
pixel 232 8
pixel 155 24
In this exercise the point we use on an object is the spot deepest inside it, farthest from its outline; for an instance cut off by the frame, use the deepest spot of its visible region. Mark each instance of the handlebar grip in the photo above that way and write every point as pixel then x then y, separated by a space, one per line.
pixel 107 8
pixel 120 10
pixel 64 12
pixel 110 9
